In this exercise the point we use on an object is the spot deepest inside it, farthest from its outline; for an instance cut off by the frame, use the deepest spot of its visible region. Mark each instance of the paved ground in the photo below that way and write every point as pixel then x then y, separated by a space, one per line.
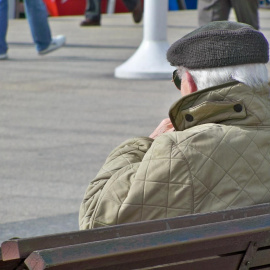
pixel 61 114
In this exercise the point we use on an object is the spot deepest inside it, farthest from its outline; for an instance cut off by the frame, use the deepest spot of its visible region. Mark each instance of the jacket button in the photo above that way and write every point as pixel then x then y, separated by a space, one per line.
pixel 189 117
pixel 238 107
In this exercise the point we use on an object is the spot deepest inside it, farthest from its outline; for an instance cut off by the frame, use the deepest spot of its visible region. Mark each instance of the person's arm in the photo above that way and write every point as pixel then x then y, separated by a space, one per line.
pixel 158 186
pixel 129 152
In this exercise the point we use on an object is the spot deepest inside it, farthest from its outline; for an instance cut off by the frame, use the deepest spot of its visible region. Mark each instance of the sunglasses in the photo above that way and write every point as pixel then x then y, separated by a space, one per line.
pixel 176 80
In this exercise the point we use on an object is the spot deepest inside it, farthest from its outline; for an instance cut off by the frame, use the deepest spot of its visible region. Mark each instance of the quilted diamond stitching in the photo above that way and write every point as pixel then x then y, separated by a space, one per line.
pixel 188 145
pixel 241 156
pixel 255 171
pixel 227 172
pixel 168 184
pixel 144 186
pixel 149 160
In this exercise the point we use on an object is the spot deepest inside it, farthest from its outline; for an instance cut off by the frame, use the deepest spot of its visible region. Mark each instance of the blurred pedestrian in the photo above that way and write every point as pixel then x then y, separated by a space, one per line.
pixel 93 11
pixel 37 16
pixel 218 10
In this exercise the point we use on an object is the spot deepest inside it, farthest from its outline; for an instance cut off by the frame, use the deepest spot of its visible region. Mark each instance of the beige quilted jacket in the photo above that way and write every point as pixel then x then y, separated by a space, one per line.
pixel 218 158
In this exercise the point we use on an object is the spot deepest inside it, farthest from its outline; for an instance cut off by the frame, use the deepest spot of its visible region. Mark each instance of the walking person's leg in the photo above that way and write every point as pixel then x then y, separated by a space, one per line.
pixel 135 6
pixel 247 12
pixel 37 17
pixel 213 10
pixel 3 28
pixel 131 4
pixel 38 21
pixel 92 13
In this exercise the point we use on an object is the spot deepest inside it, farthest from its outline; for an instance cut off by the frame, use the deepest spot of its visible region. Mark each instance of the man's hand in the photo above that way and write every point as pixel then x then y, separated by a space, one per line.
pixel 163 127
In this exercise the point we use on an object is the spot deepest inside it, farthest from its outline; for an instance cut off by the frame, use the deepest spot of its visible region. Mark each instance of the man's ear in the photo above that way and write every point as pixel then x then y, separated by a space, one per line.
pixel 191 84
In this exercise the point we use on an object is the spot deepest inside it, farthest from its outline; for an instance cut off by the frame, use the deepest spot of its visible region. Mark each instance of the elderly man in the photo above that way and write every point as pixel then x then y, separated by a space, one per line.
pixel 214 151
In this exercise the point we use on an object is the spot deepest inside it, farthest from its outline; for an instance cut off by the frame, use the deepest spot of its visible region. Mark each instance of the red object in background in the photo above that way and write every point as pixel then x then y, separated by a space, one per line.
pixel 77 7
pixel 65 7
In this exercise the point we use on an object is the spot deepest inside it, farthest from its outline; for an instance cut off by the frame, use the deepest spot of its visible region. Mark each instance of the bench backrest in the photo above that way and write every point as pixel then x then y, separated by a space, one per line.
pixel 223 244
pixel 211 237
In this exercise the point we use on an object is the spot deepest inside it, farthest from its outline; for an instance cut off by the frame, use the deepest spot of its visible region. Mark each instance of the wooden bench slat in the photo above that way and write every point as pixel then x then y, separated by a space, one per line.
pixel 214 263
pixel 188 243
pixel 262 257
pixel 21 248
pixel 9 265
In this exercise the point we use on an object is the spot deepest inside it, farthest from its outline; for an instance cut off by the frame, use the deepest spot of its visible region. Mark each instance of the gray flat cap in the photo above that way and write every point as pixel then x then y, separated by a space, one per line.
pixel 219 44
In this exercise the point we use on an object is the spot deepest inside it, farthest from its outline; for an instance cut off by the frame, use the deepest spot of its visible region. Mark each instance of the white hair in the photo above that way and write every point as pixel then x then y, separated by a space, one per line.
pixel 253 75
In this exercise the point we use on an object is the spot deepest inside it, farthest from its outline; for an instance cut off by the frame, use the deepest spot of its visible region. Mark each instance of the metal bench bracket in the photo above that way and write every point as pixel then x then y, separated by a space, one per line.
pixel 249 256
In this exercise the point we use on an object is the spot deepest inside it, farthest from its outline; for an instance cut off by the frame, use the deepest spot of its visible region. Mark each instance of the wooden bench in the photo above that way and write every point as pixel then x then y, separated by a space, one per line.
pixel 230 239
pixel 7 265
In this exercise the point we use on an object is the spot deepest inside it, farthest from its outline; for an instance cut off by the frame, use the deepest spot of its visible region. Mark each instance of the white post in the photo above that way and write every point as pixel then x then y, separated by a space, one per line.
pixel 149 61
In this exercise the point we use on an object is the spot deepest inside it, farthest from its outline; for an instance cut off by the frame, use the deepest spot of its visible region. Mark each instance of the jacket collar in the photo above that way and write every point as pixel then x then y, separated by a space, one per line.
pixel 232 103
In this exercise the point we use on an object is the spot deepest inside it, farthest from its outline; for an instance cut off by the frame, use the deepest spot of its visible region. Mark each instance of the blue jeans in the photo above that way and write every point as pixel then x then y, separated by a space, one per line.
pixel 37 17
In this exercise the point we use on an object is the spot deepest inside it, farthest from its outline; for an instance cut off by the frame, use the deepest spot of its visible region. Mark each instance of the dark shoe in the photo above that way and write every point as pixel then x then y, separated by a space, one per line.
pixel 137 12
pixel 90 22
